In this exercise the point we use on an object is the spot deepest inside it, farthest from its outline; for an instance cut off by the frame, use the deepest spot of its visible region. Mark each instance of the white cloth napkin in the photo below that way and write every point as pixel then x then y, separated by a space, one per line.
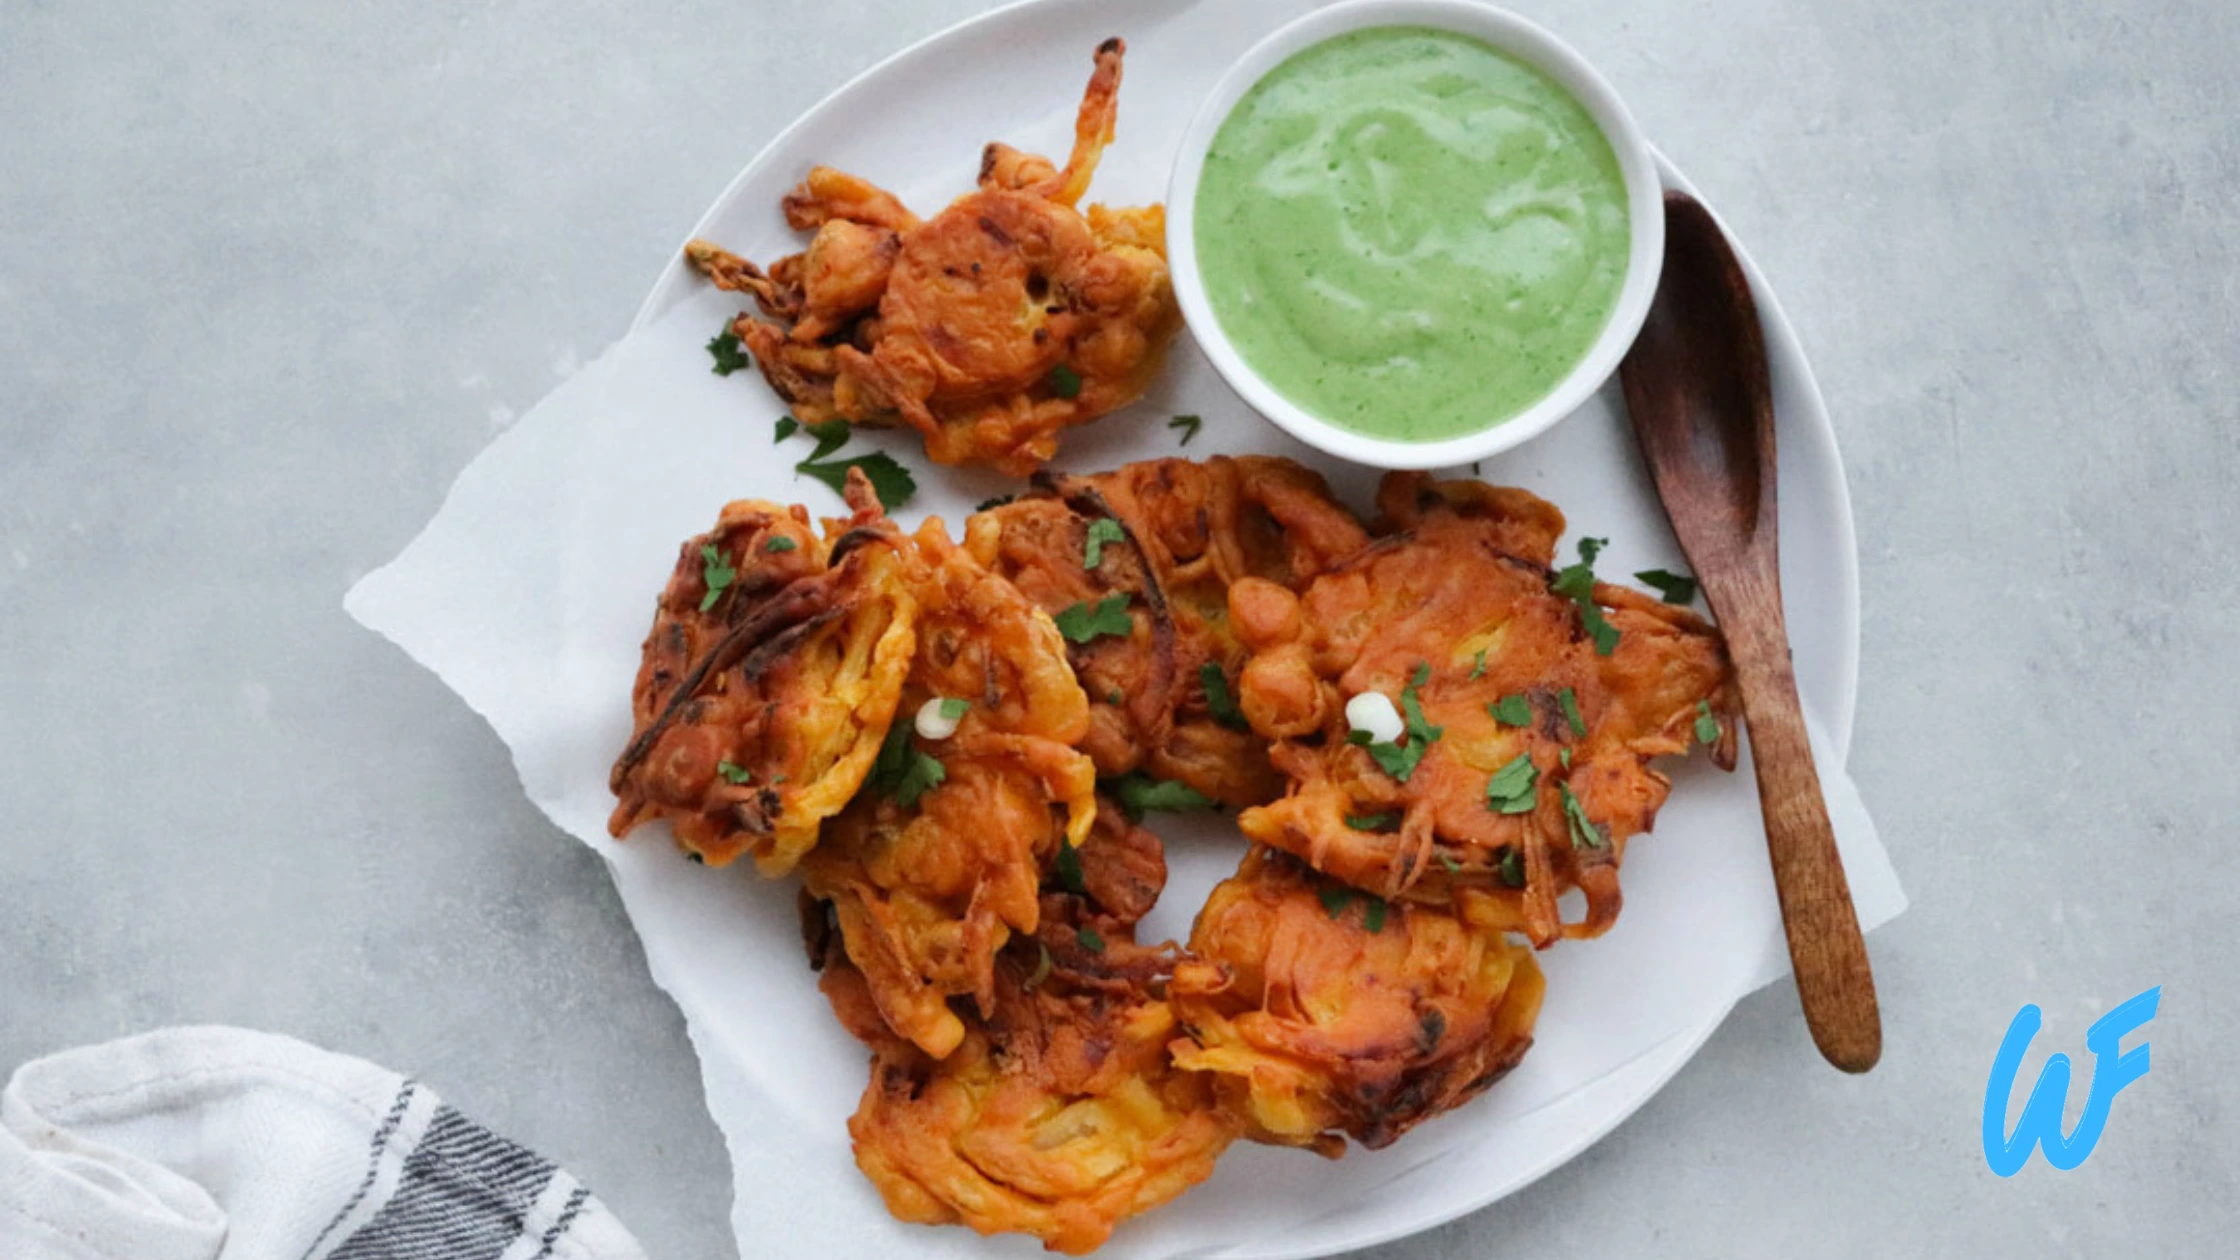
pixel 223 1144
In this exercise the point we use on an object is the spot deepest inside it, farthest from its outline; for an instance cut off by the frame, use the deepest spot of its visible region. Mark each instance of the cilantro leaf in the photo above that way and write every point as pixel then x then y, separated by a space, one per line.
pixel 1065 382
pixel 902 773
pixel 1576 583
pixel 1510 790
pixel 1371 822
pixel 1707 726
pixel 724 349
pixel 1086 621
pixel 1400 760
pixel 1139 794
pixel 1584 834
pixel 1219 702
pixel 779 542
pixel 1511 711
pixel 1088 939
pixel 1569 699
pixel 1373 917
pixel 1478 666
pixel 1565 755
pixel 953 707
pixel 786 427
pixel 1447 860
pixel 1677 588
pixel 1101 531
pixel 1069 869
pixel 734 774
pixel 892 482
pixel 717 572
pixel 1512 868
pixel 1189 426
pixel 1335 900
pixel 830 436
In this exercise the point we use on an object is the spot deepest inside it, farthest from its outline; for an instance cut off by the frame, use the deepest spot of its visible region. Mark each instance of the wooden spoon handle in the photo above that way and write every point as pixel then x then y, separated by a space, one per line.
pixel 1825 946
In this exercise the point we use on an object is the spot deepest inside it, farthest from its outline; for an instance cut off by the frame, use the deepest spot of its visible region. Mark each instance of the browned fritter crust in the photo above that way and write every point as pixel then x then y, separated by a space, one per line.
pixel 1059 1114
pixel 1463 569
pixel 1327 1012
pixel 1189 532
pixel 988 328
pixel 928 883
pixel 759 709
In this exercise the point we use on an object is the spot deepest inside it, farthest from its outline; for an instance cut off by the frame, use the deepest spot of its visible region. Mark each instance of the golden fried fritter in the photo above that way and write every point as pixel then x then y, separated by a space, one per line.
pixel 1329 1012
pixel 769 679
pixel 1060 1114
pixel 988 328
pixel 931 870
pixel 1451 611
pixel 1183 534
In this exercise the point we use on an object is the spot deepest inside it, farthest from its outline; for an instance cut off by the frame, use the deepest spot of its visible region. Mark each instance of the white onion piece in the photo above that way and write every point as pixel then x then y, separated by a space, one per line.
pixel 1372 714
pixel 932 724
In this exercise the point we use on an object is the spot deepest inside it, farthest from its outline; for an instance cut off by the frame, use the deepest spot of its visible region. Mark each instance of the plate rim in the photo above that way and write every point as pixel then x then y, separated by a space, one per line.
pixel 1660 1064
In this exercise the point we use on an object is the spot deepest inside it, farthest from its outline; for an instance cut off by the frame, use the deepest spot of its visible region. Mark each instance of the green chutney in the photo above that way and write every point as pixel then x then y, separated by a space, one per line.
pixel 1410 233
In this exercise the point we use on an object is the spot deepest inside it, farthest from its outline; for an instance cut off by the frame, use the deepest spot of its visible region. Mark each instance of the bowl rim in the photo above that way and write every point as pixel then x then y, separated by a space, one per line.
pixel 1519 37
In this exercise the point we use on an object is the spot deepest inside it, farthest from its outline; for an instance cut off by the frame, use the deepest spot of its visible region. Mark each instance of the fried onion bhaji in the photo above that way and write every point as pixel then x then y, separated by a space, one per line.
pixel 1060 1113
pixel 933 869
pixel 1328 1012
pixel 769 679
pixel 1526 765
pixel 1164 696
pixel 988 328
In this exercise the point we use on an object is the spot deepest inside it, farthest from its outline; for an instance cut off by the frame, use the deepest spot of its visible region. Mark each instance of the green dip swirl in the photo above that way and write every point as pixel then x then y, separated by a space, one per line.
pixel 1410 233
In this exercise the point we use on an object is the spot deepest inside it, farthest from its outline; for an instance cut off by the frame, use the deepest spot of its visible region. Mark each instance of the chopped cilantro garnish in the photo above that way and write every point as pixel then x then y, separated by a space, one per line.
pixel 1478 666
pixel 1512 868
pixel 1140 794
pixel 717 572
pixel 1088 939
pixel 1569 700
pixel 1677 588
pixel 953 707
pixel 1447 860
pixel 734 774
pixel 779 542
pixel 1707 726
pixel 1576 583
pixel 1085 621
pixel 1189 426
pixel 1564 754
pixel 1069 869
pixel 1373 917
pixel 786 427
pixel 1510 790
pixel 1101 531
pixel 829 436
pixel 1511 711
pixel 892 482
pixel 902 772
pixel 1584 834
pixel 724 348
pixel 1335 900
pixel 1065 382
pixel 1219 703
pixel 1371 822
pixel 1400 760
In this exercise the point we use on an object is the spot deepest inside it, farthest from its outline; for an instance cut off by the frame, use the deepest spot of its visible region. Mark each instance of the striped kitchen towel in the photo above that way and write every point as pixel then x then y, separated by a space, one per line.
pixel 222 1144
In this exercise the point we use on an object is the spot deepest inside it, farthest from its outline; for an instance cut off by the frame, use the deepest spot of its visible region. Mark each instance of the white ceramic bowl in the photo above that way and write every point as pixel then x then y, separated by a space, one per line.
pixel 1528 43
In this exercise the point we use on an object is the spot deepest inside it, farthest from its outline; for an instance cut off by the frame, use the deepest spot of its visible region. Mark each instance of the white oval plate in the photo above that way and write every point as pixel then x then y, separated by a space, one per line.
pixel 915 124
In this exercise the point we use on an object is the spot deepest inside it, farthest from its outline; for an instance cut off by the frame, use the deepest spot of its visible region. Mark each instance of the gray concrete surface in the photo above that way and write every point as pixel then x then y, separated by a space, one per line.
pixel 271 274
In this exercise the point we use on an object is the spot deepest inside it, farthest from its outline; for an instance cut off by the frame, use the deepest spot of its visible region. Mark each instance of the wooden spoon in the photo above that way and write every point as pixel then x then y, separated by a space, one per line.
pixel 1702 408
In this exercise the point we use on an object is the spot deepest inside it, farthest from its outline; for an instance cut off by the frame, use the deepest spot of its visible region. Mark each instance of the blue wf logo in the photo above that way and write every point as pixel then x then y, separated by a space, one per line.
pixel 2112 1069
